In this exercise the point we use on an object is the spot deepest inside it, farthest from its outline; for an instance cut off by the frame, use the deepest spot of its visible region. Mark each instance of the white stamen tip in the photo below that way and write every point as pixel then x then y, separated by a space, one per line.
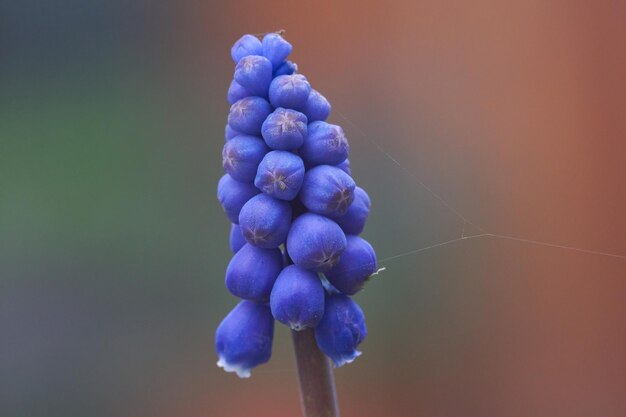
pixel 228 367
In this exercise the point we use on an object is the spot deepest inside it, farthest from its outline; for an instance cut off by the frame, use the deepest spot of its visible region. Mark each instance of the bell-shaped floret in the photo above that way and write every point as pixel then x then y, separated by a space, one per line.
pixel 297 299
pixel 284 129
pixel 315 242
pixel 341 330
pixel 265 221
pixel 248 114
pixel 289 91
pixel 356 264
pixel 241 157
pixel 252 271
pixel 243 339
pixel 327 190
pixel 280 175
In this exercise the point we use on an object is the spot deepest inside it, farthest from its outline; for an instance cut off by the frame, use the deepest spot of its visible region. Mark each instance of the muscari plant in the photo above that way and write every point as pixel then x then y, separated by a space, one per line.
pixel 296 214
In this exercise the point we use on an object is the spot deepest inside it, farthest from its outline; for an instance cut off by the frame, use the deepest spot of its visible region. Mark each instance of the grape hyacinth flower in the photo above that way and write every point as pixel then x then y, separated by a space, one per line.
pixel 248 114
pixel 295 215
pixel 315 242
pixel 254 74
pixel 252 271
pixel 284 129
pixel 289 91
pixel 280 175
pixel 341 329
pixel 297 299
pixel 355 266
pixel 265 221
pixel 243 339
pixel 325 144
pixel 241 157
pixel 327 190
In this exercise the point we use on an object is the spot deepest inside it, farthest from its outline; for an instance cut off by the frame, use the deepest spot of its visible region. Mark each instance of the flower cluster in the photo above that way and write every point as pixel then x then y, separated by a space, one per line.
pixel 296 213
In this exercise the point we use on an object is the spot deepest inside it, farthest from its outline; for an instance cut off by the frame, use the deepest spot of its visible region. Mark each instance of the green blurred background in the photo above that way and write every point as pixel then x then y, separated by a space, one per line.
pixel 113 246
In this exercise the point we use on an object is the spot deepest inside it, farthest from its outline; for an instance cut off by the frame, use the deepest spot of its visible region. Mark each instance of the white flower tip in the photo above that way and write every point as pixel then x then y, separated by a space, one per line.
pixel 347 359
pixel 297 326
pixel 229 367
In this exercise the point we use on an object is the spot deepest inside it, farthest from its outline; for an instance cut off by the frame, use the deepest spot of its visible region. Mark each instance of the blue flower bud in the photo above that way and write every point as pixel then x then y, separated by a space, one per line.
pixel 275 48
pixel 353 222
pixel 254 73
pixel 236 92
pixel 248 114
pixel 289 91
pixel 327 190
pixel 356 264
pixel 280 175
pixel 286 68
pixel 246 45
pixel 230 133
pixel 325 144
pixel 265 221
pixel 284 129
pixel 244 338
pixel 297 299
pixel 252 271
pixel 236 239
pixel 341 330
pixel 345 167
pixel 233 194
pixel 315 242
pixel 241 157
pixel 316 107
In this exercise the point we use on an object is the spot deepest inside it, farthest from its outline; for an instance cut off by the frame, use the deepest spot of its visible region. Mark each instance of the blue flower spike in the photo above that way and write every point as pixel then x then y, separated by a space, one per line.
pixel 241 157
pixel 297 299
pixel 280 175
pixel 284 129
pixel 252 271
pixel 341 330
pixel 265 221
pixel 243 339
pixel 356 264
pixel 295 213
pixel 327 190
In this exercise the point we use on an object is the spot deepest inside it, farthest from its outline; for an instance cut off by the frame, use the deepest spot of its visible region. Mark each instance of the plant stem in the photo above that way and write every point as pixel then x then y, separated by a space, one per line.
pixel 315 374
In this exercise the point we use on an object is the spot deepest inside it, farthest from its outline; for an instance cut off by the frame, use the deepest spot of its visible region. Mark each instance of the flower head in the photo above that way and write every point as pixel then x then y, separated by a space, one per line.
pixel 295 212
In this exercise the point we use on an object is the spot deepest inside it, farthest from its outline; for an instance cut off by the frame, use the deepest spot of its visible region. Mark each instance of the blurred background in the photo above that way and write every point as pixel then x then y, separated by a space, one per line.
pixel 113 246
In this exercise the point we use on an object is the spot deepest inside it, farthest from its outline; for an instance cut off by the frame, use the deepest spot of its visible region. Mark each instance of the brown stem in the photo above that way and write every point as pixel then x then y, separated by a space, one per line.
pixel 317 384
